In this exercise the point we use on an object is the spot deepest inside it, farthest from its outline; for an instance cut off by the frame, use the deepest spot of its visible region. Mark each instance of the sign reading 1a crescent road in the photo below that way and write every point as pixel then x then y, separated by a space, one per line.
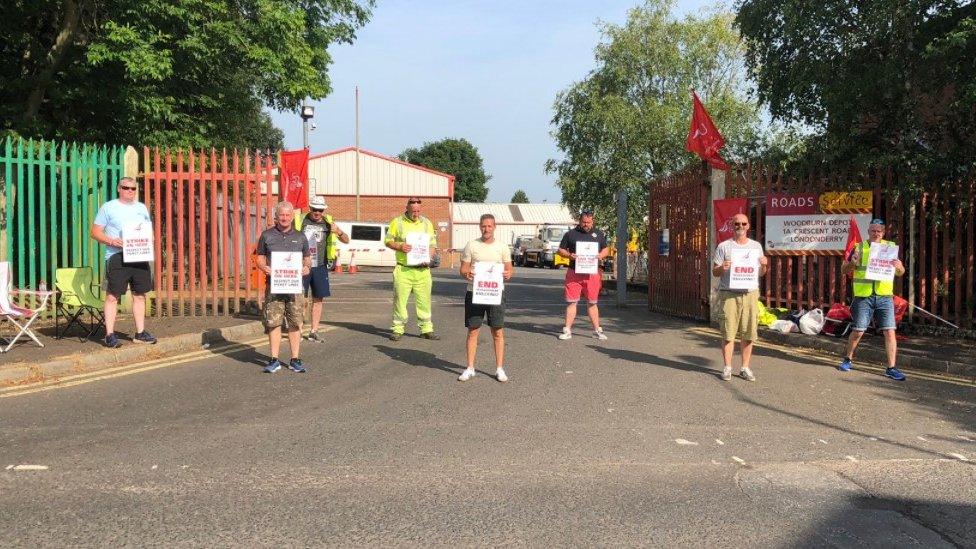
pixel 814 224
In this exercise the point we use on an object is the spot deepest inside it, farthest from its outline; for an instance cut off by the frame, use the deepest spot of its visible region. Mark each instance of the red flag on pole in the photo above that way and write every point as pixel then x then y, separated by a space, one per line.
pixel 853 237
pixel 704 138
pixel 293 178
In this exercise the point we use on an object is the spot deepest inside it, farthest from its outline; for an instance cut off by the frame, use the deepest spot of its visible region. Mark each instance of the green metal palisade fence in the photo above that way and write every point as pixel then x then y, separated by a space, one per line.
pixel 53 191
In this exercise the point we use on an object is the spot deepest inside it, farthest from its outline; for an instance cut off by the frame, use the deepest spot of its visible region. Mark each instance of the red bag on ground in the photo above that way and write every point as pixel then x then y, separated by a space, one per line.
pixel 837 320
pixel 901 307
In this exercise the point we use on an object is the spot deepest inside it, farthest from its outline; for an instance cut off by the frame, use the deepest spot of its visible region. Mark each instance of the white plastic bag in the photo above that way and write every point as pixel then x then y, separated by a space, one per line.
pixel 784 326
pixel 813 322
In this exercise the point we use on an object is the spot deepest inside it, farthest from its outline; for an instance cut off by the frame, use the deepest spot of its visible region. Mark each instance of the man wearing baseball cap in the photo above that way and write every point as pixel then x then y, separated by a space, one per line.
pixel 872 299
pixel 323 236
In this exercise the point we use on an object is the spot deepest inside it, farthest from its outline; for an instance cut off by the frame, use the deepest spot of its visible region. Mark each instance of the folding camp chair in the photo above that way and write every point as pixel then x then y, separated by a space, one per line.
pixel 75 298
pixel 21 317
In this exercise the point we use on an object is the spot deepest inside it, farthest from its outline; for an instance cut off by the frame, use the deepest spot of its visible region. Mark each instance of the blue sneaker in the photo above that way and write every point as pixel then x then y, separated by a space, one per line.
pixel 295 365
pixel 112 341
pixel 145 337
pixel 845 365
pixel 895 374
pixel 273 366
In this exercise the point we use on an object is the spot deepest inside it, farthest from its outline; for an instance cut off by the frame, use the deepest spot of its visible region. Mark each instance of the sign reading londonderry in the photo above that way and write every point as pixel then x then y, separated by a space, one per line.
pixel 812 224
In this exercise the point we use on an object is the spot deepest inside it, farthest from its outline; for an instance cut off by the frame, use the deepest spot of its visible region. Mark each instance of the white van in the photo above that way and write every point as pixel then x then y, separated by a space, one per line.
pixel 366 240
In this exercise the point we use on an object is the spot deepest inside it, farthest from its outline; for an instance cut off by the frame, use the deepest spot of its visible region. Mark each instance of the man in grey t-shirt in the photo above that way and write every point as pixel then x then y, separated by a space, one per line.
pixel 740 306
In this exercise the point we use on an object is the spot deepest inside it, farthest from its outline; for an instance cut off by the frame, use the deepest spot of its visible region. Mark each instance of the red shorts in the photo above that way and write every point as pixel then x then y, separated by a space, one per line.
pixel 587 285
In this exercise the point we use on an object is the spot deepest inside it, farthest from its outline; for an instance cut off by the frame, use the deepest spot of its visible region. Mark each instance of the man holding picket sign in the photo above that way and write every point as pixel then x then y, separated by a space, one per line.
pixel 486 264
pixel 284 256
pixel 124 226
pixel 875 265
pixel 586 247
pixel 739 261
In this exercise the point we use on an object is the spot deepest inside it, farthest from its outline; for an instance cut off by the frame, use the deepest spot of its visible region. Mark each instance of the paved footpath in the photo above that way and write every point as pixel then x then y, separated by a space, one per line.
pixel 631 441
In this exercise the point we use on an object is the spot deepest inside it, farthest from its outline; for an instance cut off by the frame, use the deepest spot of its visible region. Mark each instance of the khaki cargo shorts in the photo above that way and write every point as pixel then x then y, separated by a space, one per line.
pixel 740 315
pixel 284 311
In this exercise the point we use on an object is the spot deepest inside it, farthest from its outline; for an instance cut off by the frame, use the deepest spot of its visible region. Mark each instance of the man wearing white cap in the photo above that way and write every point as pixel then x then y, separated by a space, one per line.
pixel 323 235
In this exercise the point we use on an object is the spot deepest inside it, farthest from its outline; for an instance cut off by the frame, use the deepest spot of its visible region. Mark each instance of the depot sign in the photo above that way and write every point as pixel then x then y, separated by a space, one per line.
pixel 814 224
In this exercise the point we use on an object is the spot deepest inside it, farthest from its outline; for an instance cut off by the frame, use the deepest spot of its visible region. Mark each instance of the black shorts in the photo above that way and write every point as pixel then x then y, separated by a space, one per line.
pixel 475 314
pixel 318 281
pixel 120 276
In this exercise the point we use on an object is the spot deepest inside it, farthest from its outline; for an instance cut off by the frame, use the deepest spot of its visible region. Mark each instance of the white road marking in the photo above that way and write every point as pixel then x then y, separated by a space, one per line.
pixel 569 371
pixel 873 439
pixel 923 439
pixel 738 460
pixel 684 442
pixel 9 467
pixel 154 467
pixel 822 441
pixel 967 439
pixel 27 467
pixel 719 442
pixel 960 457
pixel 851 458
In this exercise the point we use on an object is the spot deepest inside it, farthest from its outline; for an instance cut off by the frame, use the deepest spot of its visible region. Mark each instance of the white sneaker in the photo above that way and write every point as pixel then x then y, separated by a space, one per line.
pixel 727 373
pixel 500 375
pixel 467 374
pixel 566 333
pixel 598 333
pixel 746 374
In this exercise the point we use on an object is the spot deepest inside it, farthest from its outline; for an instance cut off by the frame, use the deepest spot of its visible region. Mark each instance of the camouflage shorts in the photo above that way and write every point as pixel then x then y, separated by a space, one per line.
pixel 284 311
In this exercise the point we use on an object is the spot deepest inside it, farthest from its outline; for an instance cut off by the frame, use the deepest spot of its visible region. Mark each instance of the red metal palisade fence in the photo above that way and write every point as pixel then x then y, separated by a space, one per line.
pixel 208 209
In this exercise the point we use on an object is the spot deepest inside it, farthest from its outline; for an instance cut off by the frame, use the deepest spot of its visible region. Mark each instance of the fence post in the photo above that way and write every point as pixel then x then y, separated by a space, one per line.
pixel 717 184
pixel 911 261
pixel 620 260
pixel 3 218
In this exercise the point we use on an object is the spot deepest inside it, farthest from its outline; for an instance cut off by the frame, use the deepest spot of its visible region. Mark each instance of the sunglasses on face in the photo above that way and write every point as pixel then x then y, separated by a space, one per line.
pixel 316 210
pixel 740 224
pixel 128 188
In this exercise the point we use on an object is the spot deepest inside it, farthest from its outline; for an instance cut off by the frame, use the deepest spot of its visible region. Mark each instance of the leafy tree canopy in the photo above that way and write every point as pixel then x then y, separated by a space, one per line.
pixel 520 197
pixel 166 72
pixel 459 158
pixel 626 122
pixel 882 82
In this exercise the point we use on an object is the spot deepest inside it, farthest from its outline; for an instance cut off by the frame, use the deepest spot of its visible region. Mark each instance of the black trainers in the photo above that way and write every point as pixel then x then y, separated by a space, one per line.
pixel 295 365
pixel 145 337
pixel 395 337
pixel 112 341
pixel 430 335
pixel 314 336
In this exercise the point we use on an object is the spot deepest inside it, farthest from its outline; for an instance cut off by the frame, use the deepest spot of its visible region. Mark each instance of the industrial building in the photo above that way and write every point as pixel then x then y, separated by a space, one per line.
pixel 511 220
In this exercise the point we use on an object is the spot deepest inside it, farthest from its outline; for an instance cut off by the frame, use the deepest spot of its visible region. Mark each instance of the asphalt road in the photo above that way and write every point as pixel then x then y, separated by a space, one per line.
pixel 631 441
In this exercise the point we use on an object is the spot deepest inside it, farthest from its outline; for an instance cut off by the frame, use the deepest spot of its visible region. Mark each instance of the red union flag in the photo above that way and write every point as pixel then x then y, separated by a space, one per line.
pixel 703 137
pixel 293 178
pixel 853 237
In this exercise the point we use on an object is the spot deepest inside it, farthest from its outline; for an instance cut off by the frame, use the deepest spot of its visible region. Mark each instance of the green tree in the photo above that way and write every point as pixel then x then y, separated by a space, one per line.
pixel 883 82
pixel 626 122
pixel 459 158
pixel 520 197
pixel 166 72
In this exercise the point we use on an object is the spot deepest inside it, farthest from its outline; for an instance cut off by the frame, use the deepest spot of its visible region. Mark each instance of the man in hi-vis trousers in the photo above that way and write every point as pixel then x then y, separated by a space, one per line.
pixel 411 279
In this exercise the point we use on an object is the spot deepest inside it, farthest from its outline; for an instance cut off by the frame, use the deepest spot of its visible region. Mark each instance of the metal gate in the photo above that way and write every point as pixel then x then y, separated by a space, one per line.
pixel 677 266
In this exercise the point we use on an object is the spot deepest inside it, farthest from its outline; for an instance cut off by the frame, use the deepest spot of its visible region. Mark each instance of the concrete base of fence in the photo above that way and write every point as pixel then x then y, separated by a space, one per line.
pixel 91 362
pixel 863 354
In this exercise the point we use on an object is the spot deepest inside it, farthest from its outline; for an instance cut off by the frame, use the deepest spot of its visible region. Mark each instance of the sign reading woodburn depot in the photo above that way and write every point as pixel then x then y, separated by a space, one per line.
pixel 814 224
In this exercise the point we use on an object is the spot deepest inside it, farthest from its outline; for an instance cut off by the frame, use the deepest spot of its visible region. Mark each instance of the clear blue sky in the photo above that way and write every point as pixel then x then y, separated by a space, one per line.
pixel 487 71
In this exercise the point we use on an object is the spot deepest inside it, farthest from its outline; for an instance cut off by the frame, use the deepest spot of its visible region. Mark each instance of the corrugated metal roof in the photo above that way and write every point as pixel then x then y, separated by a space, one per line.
pixel 470 212
pixel 335 173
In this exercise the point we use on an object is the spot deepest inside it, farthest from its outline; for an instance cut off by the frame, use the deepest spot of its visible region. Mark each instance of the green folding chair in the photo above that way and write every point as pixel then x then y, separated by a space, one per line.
pixel 75 298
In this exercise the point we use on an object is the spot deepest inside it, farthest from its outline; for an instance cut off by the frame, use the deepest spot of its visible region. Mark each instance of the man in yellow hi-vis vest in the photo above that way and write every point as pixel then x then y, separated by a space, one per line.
pixel 872 299
pixel 411 276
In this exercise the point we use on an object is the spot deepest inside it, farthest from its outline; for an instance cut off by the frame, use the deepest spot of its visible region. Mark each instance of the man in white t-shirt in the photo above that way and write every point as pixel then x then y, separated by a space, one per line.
pixel 485 249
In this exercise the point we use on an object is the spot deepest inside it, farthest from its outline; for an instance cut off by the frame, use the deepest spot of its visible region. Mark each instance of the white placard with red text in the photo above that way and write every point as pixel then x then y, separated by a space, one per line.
pixel 137 243
pixel 881 262
pixel 286 272
pixel 744 271
pixel 587 257
pixel 419 253
pixel 488 284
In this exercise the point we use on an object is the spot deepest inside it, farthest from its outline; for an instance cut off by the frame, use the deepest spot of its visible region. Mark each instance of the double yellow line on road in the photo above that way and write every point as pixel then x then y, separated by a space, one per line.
pixel 817 356
pixel 129 369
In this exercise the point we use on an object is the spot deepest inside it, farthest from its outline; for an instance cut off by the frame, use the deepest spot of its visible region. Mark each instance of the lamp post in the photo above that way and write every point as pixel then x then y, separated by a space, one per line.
pixel 307 113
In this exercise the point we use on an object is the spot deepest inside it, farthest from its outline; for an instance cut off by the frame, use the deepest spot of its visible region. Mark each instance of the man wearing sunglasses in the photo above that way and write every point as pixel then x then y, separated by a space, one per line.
pixel 740 306
pixel 120 276
pixel 323 235
pixel 411 279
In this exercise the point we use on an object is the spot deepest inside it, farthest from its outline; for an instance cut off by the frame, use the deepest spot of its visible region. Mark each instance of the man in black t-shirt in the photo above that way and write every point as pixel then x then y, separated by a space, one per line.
pixel 583 284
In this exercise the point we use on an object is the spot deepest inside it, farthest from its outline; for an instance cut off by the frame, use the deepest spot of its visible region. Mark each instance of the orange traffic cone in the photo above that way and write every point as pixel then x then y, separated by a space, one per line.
pixel 338 264
pixel 352 263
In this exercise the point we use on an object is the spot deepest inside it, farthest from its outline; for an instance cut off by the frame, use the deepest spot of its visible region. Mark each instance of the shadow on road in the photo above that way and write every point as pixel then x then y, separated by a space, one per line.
pixel 687 364
pixel 370 329
pixel 414 357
